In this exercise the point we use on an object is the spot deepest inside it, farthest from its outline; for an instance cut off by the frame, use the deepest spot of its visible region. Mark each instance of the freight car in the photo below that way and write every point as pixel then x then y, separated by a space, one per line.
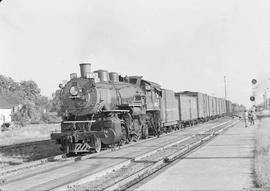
pixel 169 111
pixel 229 109
pixel 202 100
pixel 208 107
pixel 103 108
pixel 211 107
pixel 187 107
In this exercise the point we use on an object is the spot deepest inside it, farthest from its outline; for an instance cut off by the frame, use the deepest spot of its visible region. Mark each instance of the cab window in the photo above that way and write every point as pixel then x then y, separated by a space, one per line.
pixel 133 80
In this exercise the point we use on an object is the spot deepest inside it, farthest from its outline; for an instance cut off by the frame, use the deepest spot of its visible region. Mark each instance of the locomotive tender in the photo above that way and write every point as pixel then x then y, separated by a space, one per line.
pixel 105 108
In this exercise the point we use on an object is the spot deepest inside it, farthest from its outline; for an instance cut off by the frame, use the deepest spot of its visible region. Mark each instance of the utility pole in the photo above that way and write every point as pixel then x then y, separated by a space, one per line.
pixel 225 87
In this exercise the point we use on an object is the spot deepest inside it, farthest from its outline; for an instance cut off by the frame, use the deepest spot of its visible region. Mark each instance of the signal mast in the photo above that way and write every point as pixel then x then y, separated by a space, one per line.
pixel 252 97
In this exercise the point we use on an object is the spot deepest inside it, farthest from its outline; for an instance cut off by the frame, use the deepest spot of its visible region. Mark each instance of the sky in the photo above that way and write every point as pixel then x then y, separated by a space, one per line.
pixel 180 44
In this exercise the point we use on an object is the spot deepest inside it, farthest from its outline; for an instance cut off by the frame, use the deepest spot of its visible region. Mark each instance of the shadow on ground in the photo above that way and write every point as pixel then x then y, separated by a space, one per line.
pixel 24 153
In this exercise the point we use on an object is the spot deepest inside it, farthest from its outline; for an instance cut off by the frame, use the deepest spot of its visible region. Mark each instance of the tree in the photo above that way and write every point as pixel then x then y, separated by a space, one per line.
pixel 56 102
pixel 30 90
pixel 33 104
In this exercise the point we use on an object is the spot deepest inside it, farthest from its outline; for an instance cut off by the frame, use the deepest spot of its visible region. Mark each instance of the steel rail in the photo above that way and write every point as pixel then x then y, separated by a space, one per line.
pixel 125 163
pixel 43 161
pixel 135 178
pixel 76 175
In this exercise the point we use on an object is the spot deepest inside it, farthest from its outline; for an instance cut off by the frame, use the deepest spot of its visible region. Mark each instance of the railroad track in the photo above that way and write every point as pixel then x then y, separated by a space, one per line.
pixel 137 177
pixel 122 177
pixel 59 174
pixel 27 153
pixel 63 157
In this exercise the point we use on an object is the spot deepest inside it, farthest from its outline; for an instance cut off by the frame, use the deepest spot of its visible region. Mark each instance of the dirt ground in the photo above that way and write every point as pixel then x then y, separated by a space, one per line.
pixel 21 154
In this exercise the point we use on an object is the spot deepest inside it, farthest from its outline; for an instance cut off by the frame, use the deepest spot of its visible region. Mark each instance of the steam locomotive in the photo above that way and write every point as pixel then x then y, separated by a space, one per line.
pixel 102 108
pixel 105 108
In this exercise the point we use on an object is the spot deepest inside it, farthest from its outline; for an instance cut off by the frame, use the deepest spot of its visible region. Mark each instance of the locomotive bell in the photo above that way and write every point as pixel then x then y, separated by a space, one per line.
pixel 85 69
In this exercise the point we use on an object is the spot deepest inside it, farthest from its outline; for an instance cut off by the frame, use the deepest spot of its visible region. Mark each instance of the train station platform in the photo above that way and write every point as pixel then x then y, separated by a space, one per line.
pixel 225 163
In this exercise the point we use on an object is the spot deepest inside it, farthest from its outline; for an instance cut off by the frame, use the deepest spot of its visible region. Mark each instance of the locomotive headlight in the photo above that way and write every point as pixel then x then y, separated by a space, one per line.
pixel 74 90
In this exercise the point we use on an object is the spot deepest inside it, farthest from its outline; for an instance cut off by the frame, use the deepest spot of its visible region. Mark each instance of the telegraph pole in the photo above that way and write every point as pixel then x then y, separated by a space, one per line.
pixel 225 88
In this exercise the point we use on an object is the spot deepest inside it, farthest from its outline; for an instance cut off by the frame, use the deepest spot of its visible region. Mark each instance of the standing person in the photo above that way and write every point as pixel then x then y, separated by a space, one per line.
pixel 252 118
pixel 245 117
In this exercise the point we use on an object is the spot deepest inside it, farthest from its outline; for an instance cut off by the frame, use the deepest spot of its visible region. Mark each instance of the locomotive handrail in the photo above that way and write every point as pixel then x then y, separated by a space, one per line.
pixel 116 110
pixel 90 121
pixel 135 105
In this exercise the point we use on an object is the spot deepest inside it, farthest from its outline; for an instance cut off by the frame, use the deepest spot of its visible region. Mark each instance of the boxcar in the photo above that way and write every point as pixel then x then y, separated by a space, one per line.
pixel 228 108
pixel 223 107
pixel 212 105
pixel 220 108
pixel 187 105
pixel 217 106
pixel 202 104
pixel 169 108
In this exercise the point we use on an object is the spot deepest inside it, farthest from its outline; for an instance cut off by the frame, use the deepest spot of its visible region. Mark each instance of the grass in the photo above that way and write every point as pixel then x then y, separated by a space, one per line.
pixel 262 154
pixel 27 133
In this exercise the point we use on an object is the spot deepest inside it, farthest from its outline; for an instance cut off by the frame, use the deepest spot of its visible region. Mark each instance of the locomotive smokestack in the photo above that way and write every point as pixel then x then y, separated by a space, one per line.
pixel 85 69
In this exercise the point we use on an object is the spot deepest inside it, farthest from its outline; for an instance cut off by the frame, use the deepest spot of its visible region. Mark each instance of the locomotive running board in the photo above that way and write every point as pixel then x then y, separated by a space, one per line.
pixel 107 111
pixel 89 121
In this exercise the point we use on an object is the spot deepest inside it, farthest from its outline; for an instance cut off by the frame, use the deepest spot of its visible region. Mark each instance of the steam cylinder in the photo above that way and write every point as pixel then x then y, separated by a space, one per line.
pixel 85 69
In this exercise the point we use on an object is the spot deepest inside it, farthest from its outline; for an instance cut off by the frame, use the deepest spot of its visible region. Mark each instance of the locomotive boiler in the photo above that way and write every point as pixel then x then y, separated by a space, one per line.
pixel 104 108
